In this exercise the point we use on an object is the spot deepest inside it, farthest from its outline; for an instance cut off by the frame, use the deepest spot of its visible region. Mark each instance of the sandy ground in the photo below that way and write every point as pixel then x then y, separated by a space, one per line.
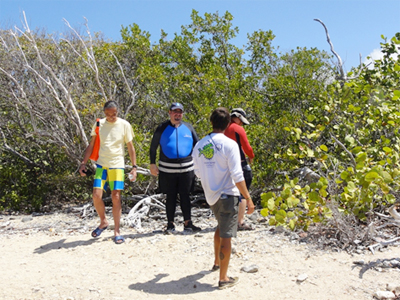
pixel 60 260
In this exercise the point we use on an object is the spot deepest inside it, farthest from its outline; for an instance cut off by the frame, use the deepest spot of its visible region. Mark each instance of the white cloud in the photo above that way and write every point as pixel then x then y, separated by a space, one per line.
pixel 374 55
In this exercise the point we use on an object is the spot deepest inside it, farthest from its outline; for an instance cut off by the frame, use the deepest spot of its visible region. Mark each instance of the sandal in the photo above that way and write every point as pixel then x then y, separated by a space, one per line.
pixel 98 231
pixel 119 239
pixel 226 284
pixel 214 268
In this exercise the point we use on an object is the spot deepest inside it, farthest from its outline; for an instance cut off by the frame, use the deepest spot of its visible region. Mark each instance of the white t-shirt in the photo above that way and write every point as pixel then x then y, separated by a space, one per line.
pixel 217 163
pixel 113 137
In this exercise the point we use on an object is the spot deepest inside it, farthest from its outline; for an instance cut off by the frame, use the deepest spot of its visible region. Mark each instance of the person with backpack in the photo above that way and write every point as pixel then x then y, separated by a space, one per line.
pixel 236 132
pixel 114 133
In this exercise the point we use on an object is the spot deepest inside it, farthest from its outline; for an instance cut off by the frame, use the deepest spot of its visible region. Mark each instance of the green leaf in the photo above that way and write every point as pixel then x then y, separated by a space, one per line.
pixel 387 150
pixel 280 216
pixel 351 187
pixel 323 193
pixel 267 196
pixel 264 212
pixel 271 204
pixel 371 176
pixel 314 197
pixel 386 177
pixel 344 175
pixel 385 188
pixel 292 224
pixel 390 198
pixel 292 201
pixel 361 157
pixel 286 193
pixel 324 148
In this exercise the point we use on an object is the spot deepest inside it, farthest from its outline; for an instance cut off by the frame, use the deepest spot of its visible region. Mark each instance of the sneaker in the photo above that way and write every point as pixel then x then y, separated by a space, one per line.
pixel 170 229
pixel 244 226
pixel 227 284
pixel 191 228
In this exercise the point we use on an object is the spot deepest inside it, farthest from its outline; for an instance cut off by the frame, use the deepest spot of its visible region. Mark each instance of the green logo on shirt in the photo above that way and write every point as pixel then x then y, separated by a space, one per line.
pixel 207 151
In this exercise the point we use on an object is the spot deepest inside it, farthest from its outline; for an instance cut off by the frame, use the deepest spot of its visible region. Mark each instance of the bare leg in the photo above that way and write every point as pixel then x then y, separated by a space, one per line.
pixel 222 251
pixel 242 211
pixel 224 257
pixel 217 247
pixel 100 207
pixel 116 210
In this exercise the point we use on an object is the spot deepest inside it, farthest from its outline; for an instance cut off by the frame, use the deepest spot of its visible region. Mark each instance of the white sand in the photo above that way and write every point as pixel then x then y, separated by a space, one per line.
pixel 64 262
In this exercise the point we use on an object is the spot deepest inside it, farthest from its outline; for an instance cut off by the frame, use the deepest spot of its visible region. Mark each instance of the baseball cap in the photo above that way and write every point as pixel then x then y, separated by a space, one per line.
pixel 176 105
pixel 240 113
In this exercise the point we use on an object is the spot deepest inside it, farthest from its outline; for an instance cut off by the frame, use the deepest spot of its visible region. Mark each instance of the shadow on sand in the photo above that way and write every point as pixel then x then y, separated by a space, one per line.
pixel 183 286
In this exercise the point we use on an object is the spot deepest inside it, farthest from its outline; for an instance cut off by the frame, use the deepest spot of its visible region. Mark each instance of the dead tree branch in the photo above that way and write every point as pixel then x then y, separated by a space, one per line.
pixel 343 75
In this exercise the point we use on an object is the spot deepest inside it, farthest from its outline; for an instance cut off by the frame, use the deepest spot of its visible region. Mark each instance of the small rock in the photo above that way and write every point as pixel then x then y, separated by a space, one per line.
pixel 5 224
pixel 254 216
pixel 301 278
pixel 303 234
pixel 27 219
pixel 387 264
pixel 359 262
pixel 250 269
pixel 393 288
pixel 395 262
pixel 383 295
pixel 279 229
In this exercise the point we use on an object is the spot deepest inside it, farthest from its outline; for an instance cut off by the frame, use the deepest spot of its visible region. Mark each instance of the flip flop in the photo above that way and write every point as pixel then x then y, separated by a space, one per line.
pixel 214 268
pixel 119 239
pixel 98 231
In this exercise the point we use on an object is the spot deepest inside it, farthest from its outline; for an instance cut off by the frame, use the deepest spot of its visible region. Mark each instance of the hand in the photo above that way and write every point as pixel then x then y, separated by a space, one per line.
pixel 134 174
pixel 250 160
pixel 82 169
pixel 250 206
pixel 154 170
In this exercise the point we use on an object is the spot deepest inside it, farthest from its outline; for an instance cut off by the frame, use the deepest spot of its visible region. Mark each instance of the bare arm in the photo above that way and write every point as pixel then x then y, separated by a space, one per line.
pixel 132 155
pixel 86 156
pixel 243 190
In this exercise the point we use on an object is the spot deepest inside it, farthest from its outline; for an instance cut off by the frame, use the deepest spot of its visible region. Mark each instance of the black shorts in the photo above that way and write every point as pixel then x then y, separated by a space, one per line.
pixel 180 182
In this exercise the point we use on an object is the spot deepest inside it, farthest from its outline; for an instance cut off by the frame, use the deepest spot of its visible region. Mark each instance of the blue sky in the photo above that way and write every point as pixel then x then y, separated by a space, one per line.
pixel 355 26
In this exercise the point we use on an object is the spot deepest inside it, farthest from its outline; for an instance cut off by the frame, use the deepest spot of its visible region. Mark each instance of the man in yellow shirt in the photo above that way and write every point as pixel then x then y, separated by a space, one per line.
pixel 114 133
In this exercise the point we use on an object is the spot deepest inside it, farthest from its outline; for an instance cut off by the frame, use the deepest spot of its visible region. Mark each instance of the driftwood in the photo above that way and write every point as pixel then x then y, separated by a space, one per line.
pixel 142 209
pixel 396 222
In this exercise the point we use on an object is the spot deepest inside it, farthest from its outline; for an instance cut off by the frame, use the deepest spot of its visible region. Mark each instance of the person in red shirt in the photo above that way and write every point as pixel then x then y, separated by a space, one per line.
pixel 236 132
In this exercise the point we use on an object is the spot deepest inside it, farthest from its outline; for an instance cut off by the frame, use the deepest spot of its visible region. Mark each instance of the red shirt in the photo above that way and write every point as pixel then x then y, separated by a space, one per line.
pixel 238 134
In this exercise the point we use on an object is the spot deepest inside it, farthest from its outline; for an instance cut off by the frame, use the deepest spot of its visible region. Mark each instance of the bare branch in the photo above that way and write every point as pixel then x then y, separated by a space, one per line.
pixel 133 95
pixel 91 62
pixel 342 74
pixel 345 149
pixel 9 149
